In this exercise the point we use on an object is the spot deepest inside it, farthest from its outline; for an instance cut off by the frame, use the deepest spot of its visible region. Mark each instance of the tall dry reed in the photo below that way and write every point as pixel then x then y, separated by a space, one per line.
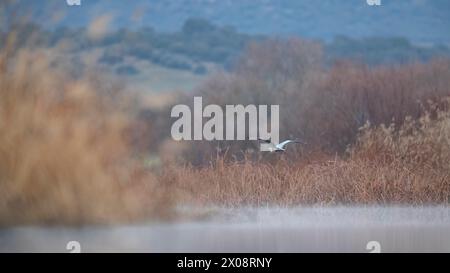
pixel 65 156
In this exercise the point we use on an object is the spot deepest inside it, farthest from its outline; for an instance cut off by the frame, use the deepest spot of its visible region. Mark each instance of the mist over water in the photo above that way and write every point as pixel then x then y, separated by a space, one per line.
pixel 300 229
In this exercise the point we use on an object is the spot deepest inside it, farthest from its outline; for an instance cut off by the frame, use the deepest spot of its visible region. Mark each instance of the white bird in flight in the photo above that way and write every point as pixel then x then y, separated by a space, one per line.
pixel 280 147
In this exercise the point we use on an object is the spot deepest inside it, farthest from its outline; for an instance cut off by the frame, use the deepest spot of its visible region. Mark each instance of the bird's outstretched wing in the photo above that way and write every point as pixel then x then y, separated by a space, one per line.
pixel 284 143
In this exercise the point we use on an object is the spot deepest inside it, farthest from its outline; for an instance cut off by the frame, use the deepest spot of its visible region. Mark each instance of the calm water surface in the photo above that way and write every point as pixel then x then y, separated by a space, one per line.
pixel 311 229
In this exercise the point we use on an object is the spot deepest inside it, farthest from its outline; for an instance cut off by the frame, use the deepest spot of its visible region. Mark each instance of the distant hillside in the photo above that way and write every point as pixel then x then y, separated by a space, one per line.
pixel 138 43
pixel 417 20
pixel 201 47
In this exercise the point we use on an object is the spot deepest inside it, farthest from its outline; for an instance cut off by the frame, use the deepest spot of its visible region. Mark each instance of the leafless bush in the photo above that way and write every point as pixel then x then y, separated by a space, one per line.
pixel 324 106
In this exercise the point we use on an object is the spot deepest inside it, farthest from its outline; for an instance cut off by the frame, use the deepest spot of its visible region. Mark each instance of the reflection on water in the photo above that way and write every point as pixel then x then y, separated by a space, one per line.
pixel 312 229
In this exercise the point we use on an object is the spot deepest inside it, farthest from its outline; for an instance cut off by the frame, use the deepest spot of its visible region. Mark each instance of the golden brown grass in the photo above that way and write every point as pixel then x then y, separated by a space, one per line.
pixel 334 182
pixel 345 161
pixel 64 153
pixel 387 166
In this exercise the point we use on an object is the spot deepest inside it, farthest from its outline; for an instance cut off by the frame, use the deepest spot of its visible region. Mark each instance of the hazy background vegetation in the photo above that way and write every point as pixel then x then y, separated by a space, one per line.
pixel 200 43
pixel 193 37
pixel 417 20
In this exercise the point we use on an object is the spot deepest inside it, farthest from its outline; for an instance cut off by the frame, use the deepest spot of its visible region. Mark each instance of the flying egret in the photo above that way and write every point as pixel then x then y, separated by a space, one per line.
pixel 280 147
